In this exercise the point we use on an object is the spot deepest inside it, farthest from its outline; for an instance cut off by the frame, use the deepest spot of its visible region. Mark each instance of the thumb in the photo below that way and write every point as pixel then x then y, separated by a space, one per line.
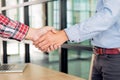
pixel 34 38
pixel 54 31
pixel 45 29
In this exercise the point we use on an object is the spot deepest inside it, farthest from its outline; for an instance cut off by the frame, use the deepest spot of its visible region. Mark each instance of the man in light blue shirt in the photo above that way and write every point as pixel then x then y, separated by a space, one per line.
pixel 103 29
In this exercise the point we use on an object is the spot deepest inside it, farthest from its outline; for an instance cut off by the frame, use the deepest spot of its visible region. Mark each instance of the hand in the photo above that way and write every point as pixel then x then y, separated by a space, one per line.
pixel 51 41
pixel 33 33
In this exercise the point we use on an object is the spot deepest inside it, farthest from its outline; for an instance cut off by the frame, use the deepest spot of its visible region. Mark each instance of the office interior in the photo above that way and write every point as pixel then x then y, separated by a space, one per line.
pixel 71 58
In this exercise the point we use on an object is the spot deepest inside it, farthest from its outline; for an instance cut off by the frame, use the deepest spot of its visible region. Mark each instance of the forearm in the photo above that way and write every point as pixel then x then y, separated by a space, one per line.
pixel 29 33
pixel 63 35
pixel 12 29
pixel 51 39
pixel 95 25
pixel 35 33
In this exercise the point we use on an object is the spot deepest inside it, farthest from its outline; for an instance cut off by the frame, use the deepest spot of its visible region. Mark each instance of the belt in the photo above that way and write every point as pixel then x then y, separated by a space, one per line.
pixel 99 50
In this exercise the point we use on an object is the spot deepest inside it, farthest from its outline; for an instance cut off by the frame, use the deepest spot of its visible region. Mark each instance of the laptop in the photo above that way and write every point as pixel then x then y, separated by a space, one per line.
pixel 12 68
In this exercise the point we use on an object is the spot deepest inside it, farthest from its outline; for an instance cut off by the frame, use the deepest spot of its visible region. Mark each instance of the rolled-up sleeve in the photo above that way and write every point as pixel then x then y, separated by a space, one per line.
pixel 12 29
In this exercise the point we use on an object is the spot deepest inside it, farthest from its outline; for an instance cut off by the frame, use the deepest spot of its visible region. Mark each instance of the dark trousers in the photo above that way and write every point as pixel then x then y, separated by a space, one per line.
pixel 106 67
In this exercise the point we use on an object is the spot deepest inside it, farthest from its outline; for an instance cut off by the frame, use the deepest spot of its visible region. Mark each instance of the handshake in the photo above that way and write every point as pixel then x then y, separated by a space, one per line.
pixel 47 38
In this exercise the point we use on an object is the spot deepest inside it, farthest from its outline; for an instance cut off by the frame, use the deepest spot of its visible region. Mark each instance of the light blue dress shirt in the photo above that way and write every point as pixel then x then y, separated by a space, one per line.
pixel 103 27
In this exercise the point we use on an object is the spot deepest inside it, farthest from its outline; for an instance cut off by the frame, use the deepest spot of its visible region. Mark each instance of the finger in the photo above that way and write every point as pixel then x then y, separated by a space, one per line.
pixel 46 46
pixel 51 48
pixel 42 44
pixel 54 31
pixel 43 50
pixel 42 38
pixel 49 28
pixel 45 29
pixel 56 46
pixel 48 50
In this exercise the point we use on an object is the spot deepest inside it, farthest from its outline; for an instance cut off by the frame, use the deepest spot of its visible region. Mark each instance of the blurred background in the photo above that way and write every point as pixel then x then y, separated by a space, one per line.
pixel 48 13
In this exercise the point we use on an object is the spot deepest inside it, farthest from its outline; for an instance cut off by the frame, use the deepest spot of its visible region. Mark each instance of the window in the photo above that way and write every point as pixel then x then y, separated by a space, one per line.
pixel 77 11
pixel 15 10
pixel 37 15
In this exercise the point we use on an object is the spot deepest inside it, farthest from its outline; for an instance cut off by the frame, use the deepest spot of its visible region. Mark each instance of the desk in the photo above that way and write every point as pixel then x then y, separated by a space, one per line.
pixel 36 72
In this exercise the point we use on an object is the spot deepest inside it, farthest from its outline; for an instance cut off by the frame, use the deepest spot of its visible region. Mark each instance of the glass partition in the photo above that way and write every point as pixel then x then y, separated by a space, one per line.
pixel 53 14
pixel 77 11
pixel 13 14
pixel 37 15
pixel 11 3
pixel 36 18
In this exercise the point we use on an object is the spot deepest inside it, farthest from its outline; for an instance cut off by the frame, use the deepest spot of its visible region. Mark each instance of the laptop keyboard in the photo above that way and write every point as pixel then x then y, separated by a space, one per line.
pixel 6 67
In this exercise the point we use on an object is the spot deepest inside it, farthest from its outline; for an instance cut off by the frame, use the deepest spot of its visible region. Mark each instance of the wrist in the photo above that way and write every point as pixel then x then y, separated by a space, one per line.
pixel 30 34
pixel 64 35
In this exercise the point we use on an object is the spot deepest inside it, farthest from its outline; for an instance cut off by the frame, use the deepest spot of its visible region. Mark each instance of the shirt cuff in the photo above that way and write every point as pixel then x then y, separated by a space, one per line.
pixel 72 36
pixel 20 32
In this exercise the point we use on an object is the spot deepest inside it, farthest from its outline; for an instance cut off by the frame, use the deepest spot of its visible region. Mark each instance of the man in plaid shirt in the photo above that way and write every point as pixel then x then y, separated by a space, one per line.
pixel 15 30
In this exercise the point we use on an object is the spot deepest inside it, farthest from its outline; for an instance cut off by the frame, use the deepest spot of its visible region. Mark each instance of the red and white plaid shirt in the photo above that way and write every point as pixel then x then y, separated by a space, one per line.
pixel 12 29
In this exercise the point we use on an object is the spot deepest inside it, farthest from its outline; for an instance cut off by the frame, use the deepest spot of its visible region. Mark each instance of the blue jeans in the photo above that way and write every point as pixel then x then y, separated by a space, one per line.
pixel 106 67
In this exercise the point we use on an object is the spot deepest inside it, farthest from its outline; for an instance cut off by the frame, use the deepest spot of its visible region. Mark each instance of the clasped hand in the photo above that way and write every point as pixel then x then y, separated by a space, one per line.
pixel 50 40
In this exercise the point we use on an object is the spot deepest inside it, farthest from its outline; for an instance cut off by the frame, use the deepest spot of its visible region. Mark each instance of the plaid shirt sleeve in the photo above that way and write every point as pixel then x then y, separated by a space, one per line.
pixel 12 29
